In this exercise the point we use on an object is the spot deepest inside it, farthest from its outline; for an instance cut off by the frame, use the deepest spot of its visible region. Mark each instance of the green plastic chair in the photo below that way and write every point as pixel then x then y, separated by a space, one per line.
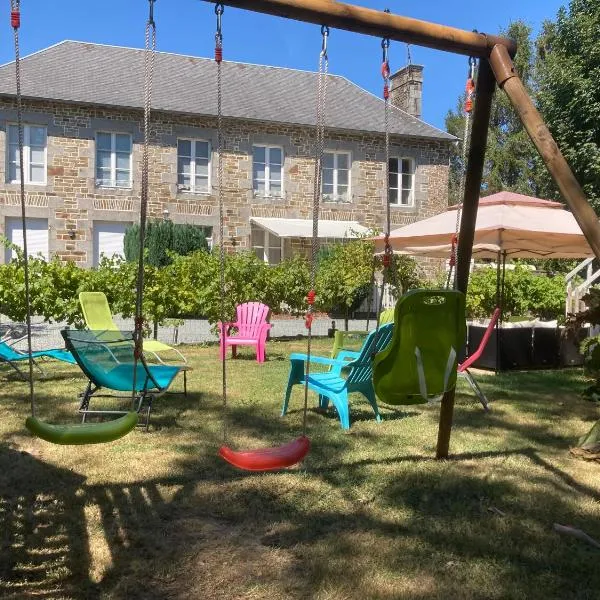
pixel 420 362
pixel 340 337
pixel 97 315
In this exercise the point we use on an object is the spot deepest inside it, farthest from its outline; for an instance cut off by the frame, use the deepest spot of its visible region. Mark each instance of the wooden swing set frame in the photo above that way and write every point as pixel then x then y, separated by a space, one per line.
pixel 496 67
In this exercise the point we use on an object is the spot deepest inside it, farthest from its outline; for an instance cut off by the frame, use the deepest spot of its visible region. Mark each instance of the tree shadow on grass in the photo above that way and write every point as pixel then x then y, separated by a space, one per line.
pixel 43 549
pixel 213 532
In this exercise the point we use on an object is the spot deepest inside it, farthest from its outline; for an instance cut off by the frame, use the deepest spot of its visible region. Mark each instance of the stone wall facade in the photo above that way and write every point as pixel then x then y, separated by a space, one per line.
pixel 72 202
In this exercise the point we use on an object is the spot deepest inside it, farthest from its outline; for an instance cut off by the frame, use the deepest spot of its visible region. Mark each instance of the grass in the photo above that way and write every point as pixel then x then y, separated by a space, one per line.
pixel 370 514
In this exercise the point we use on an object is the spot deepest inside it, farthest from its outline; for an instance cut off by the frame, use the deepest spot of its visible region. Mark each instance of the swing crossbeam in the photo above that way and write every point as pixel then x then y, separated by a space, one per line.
pixel 378 23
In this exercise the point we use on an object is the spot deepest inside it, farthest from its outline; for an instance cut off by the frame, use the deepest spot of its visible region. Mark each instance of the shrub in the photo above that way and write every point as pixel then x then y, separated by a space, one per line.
pixel 525 294
pixel 162 240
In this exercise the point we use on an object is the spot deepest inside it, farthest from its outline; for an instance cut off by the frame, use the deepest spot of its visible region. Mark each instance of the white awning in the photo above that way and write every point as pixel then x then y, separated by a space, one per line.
pixel 302 228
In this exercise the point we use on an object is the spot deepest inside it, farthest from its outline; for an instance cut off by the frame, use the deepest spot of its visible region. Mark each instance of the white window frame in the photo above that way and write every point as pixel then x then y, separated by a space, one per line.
pixel 267 193
pixel 192 189
pixel 113 161
pixel 335 197
pixel 266 245
pixel 26 154
pixel 400 187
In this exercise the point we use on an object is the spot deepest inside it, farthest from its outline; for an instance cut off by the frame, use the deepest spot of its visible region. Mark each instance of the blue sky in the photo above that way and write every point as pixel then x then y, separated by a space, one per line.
pixel 187 27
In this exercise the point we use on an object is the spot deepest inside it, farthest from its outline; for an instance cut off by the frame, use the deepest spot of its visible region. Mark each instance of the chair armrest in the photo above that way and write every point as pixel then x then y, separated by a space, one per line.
pixel 319 360
pixel 347 354
pixel 226 326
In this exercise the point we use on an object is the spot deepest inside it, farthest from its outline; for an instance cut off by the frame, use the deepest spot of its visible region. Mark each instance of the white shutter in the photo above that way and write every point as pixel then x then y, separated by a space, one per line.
pixel 37 236
pixel 108 239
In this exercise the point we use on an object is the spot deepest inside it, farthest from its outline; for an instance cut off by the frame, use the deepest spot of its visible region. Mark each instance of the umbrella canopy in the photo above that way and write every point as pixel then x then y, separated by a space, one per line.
pixel 521 226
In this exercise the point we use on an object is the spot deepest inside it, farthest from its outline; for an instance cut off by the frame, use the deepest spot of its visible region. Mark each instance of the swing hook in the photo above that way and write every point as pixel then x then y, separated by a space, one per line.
pixel 151 13
pixel 472 65
pixel 219 9
pixel 325 34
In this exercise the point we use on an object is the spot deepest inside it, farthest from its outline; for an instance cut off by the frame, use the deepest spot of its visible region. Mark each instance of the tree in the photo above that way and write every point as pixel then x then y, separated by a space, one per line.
pixel 511 162
pixel 568 72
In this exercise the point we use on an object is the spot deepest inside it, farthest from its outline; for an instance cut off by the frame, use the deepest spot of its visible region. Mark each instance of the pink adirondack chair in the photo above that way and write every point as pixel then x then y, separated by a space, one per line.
pixel 252 329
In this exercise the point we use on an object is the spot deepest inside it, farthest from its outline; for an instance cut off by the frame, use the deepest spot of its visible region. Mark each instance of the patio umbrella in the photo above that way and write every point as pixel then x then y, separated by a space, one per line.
pixel 513 225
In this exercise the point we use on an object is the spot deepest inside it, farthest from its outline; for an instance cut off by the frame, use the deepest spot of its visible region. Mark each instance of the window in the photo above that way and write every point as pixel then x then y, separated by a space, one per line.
pixel 266 246
pixel 193 166
pixel 267 170
pixel 36 232
pixel 34 154
pixel 113 160
pixel 336 176
pixel 402 181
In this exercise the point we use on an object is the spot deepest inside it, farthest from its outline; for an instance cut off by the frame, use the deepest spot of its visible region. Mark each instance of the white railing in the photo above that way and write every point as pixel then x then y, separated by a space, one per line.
pixel 388 300
pixel 574 292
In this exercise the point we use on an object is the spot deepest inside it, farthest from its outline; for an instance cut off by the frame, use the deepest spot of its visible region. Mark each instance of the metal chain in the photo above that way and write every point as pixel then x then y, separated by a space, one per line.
pixel 219 9
pixel 149 54
pixel 465 147
pixel 318 149
pixel 387 253
pixel 15 19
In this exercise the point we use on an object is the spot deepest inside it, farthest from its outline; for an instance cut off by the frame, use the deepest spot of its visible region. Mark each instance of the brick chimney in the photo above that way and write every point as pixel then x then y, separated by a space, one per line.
pixel 406 89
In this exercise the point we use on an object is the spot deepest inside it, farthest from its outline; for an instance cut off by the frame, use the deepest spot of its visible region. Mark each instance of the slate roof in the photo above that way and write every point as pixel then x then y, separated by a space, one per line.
pixel 113 76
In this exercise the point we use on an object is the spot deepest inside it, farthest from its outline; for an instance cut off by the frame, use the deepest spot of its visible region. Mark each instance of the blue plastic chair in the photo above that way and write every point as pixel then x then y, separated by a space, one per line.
pixel 107 359
pixel 12 357
pixel 350 372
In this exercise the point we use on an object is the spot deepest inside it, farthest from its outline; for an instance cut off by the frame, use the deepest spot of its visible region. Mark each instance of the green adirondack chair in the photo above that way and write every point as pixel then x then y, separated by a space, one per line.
pixel 350 372
pixel 420 362
pixel 341 337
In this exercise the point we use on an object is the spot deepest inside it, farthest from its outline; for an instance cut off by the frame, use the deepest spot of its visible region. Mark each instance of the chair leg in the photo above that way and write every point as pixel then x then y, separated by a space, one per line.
pixel 343 408
pixel 150 398
pixel 475 387
pixel 286 399
pixel 233 351
pixel 340 401
pixel 369 394
pixel 19 372
pixel 323 402
pixel 85 401
pixel 260 352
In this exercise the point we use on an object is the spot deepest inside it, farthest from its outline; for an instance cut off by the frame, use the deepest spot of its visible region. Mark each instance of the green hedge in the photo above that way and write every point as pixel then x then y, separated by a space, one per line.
pixel 526 294
pixel 188 287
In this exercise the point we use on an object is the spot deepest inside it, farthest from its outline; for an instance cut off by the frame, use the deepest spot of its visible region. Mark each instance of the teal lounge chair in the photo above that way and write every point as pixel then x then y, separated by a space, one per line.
pixel 13 357
pixel 350 372
pixel 108 363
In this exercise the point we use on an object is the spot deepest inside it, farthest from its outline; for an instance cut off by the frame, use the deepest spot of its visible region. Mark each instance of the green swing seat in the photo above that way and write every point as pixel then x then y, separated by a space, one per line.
pixel 419 364
pixel 86 433
pixel 107 359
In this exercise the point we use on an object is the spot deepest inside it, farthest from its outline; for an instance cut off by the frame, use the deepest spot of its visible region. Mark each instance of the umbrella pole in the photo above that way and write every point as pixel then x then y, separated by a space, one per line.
pixel 484 92
pixel 500 304
pixel 499 279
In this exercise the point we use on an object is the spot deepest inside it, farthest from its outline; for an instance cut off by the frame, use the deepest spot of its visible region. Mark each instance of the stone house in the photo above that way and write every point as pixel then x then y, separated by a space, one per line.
pixel 83 146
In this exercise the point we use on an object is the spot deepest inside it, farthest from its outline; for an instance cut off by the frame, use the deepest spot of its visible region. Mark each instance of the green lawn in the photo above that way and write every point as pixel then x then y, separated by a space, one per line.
pixel 369 514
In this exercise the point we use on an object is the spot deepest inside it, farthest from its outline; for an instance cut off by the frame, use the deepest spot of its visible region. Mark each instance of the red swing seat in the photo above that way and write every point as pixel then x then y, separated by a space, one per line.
pixel 267 459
